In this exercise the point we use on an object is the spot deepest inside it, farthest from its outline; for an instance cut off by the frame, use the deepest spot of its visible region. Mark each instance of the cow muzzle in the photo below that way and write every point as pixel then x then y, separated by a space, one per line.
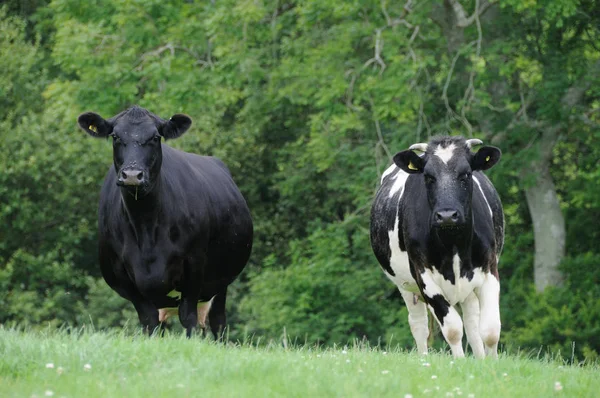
pixel 447 218
pixel 131 177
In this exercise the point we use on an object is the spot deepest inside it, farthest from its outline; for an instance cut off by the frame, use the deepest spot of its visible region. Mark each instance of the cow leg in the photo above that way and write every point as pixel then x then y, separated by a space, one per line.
pixel 216 315
pixel 445 314
pixel 470 311
pixel 188 314
pixel 147 314
pixel 417 319
pixel 489 324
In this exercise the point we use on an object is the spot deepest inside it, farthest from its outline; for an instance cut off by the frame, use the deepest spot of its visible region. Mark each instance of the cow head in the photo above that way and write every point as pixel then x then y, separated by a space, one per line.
pixel 446 167
pixel 136 135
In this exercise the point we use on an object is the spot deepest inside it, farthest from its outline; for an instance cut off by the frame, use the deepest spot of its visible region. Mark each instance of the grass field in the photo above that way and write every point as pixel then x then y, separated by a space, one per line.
pixel 61 364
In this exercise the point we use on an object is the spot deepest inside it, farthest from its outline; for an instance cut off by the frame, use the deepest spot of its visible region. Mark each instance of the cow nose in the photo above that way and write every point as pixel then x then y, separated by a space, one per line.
pixel 446 217
pixel 131 177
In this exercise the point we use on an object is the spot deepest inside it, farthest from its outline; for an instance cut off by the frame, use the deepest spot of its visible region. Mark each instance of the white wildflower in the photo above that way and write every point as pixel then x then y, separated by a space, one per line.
pixel 433 377
pixel 426 364
pixel 408 396
pixel 557 386
pixel 48 393
pixel 344 352
pixel 59 370
pixel 385 353
pixel 384 372
pixel 504 374
pixel 471 396
pixel 50 365
pixel 87 367
pixel 347 361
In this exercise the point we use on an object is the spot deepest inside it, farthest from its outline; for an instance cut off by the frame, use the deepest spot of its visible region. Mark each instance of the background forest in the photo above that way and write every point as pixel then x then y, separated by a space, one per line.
pixel 306 101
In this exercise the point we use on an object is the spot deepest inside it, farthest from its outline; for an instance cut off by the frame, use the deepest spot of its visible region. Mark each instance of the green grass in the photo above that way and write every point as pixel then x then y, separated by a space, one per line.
pixel 125 365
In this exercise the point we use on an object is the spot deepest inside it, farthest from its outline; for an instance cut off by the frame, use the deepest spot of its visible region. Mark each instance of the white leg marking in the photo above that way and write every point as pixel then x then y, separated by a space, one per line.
pixel 445 153
pixel 452 329
pixel 482 194
pixel 417 319
pixel 470 310
pixel 451 325
pixel 489 324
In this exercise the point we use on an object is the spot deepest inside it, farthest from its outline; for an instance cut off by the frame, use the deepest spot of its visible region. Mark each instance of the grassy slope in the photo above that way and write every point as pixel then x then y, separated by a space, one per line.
pixel 136 366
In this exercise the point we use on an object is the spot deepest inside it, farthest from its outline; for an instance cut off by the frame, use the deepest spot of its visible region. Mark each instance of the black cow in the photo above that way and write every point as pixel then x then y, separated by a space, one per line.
pixel 174 230
pixel 437 229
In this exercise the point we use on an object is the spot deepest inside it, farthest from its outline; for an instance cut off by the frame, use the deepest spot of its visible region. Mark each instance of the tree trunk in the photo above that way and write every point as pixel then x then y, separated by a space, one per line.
pixel 548 226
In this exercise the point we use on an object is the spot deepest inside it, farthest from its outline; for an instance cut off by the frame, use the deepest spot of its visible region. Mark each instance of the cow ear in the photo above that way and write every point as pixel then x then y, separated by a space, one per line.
pixel 409 162
pixel 94 125
pixel 175 126
pixel 485 158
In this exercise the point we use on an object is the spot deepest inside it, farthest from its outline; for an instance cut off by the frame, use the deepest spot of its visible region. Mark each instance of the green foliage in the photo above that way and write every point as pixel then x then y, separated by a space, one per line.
pixel 48 221
pixel 328 294
pixel 22 80
pixel 306 101
pixel 562 319
pixel 103 309
pixel 39 289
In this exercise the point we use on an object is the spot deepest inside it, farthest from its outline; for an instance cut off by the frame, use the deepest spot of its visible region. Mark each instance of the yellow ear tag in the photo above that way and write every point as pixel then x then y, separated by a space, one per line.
pixel 487 159
pixel 93 128
pixel 411 166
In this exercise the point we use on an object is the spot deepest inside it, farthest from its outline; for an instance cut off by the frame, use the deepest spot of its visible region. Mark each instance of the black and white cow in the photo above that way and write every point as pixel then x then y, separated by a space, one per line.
pixel 174 230
pixel 437 230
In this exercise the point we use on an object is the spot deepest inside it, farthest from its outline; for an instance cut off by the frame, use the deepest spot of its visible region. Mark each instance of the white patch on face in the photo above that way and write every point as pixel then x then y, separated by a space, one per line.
pixel 482 194
pixel 400 181
pixel 399 263
pixel 445 154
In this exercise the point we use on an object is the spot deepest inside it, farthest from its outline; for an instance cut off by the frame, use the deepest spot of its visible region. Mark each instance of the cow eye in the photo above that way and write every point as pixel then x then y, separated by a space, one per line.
pixel 464 177
pixel 116 140
pixel 156 138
